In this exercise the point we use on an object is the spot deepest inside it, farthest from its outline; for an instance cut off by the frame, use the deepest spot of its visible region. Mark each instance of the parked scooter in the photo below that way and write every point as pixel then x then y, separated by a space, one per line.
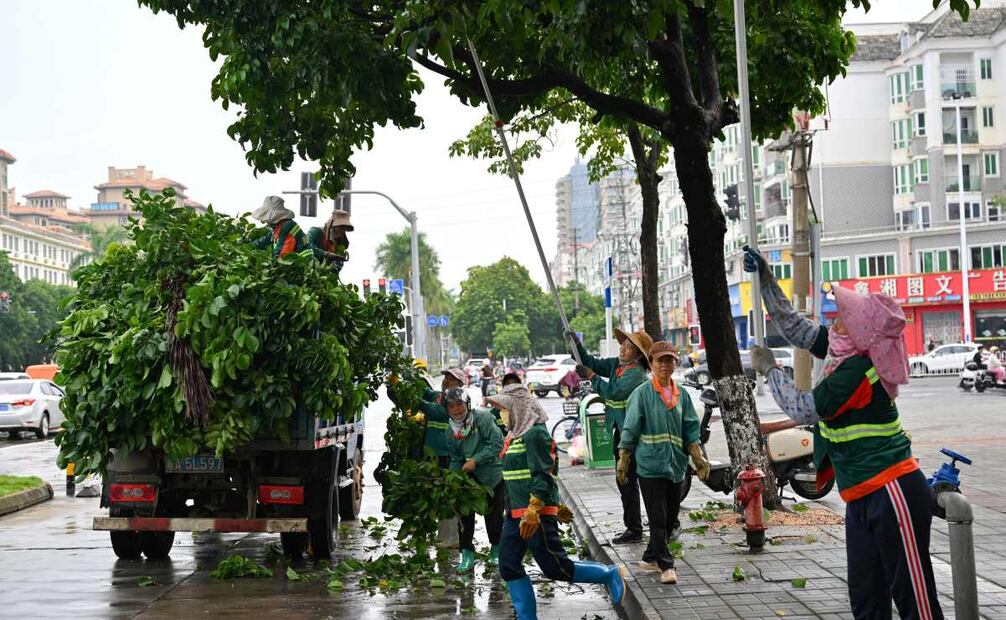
pixel 979 378
pixel 790 451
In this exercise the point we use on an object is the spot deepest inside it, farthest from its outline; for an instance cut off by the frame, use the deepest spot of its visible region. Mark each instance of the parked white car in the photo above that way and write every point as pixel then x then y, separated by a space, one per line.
pixel 6 376
pixel 543 376
pixel 30 405
pixel 947 359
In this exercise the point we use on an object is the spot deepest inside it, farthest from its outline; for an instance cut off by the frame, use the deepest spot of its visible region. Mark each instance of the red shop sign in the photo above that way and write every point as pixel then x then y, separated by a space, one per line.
pixel 932 288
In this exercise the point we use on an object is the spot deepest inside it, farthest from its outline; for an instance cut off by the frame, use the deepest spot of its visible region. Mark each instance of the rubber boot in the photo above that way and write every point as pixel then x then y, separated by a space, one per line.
pixel 467 561
pixel 608 574
pixel 522 597
pixel 494 556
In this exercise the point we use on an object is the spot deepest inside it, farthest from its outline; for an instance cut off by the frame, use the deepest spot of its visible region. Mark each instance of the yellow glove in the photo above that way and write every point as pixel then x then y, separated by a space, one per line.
pixel 699 462
pixel 393 379
pixel 565 515
pixel 530 521
pixel 622 468
pixel 419 418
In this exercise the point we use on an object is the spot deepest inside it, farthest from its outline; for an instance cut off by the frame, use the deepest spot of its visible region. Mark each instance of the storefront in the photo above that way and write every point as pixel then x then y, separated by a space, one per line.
pixel 934 308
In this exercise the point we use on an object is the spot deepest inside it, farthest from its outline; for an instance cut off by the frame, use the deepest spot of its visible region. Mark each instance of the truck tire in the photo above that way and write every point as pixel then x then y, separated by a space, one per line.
pixel 126 545
pixel 351 497
pixel 294 544
pixel 324 518
pixel 156 545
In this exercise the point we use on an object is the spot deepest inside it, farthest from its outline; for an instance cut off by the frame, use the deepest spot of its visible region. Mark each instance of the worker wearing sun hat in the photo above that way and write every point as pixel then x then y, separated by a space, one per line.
pixel 285 235
pixel 331 242
pixel 614 378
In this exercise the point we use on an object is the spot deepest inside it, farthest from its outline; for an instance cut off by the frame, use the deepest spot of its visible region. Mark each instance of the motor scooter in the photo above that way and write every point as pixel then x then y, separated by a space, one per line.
pixel 790 449
pixel 977 376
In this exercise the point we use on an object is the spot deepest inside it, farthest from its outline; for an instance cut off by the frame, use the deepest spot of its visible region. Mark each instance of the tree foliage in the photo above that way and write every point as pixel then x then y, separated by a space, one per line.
pixel 394 260
pixel 101 238
pixel 35 309
pixel 512 337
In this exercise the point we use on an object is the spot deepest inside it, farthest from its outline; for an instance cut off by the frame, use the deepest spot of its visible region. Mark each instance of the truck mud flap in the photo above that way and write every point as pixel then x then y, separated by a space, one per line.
pixel 166 524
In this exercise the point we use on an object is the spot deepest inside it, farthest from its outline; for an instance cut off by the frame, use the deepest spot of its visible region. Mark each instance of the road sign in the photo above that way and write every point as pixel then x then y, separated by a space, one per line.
pixel 444 320
pixel 774 256
pixel 432 320
pixel 396 287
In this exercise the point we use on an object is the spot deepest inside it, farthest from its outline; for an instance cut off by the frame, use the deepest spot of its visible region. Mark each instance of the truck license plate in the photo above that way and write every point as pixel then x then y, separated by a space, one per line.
pixel 195 465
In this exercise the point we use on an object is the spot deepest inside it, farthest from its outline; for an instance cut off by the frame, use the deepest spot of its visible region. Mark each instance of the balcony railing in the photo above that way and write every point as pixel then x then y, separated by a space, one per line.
pixel 958 90
pixel 968 136
pixel 972 183
pixel 957 81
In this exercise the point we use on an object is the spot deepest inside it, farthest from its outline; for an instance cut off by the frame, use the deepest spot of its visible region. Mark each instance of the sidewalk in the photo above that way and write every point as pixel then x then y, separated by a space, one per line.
pixel 706 588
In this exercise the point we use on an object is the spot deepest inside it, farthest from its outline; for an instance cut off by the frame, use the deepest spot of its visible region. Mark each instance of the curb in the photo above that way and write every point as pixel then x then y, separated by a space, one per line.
pixel 632 606
pixel 24 499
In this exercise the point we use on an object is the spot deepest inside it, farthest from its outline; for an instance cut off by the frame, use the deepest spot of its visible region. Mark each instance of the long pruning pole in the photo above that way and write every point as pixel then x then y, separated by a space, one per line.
pixel 523 199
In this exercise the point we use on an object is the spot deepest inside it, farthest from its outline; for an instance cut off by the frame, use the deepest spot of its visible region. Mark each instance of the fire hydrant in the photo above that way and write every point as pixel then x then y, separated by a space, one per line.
pixel 748 497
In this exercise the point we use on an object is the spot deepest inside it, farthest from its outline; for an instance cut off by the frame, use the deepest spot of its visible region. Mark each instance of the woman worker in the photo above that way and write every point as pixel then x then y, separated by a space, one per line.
pixel 858 440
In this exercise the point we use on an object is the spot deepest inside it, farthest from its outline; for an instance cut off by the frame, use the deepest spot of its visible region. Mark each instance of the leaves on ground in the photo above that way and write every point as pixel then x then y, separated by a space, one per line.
pixel 698 529
pixel 334 584
pixel 800 508
pixel 677 549
pixel 292 575
pixel 437 583
pixel 798 582
pixel 739 573
pixel 239 566
pixel 146 582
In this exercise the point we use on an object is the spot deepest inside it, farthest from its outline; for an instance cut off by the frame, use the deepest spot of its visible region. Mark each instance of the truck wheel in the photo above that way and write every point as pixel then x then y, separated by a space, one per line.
pixel 126 545
pixel 322 526
pixel 351 496
pixel 156 545
pixel 294 544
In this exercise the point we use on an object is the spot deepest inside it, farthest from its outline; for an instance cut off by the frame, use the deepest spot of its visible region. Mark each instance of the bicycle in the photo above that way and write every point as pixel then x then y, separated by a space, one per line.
pixel 568 426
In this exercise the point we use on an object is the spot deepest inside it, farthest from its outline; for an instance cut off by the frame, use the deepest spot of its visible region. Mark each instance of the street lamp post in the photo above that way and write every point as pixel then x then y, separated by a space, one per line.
pixel 963 254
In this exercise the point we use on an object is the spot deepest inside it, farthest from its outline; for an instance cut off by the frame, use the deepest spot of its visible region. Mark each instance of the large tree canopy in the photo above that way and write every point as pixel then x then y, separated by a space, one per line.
pixel 394 260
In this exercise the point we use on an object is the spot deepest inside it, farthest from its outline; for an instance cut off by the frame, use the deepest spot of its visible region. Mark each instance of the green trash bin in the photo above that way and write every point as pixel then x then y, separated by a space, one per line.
pixel 600 452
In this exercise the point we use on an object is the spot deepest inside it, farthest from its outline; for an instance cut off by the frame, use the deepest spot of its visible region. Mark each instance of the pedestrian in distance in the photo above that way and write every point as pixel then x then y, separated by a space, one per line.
pixel 534 511
pixel 488 375
pixel 614 379
pixel 661 429
pixel 474 443
pixel 859 441
pixel 331 242
pixel 285 236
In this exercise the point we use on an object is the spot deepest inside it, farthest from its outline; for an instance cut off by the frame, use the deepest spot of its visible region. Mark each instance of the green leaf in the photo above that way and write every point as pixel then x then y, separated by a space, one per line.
pixel 292 575
pixel 334 584
pixel 146 582
pixel 437 583
pixel 798 582
pixel 165 379
pixel 738 574
pixel 800 508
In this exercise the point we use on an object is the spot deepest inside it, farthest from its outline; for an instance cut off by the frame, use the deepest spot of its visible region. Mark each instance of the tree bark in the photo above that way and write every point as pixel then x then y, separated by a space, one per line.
pixel 706 230
pixel 646 155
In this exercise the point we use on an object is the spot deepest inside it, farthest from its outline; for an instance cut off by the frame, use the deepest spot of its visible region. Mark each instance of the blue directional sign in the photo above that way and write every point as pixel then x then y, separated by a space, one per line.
pixel 774 256
pixel 396 287
pixel 432 320
pixel 444 320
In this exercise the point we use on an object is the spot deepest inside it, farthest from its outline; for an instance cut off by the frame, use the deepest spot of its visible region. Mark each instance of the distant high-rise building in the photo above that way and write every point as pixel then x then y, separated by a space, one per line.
pixel 577 211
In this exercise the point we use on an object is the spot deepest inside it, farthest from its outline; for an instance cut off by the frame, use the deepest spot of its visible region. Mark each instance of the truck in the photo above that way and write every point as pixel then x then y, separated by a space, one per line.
pixel 298 486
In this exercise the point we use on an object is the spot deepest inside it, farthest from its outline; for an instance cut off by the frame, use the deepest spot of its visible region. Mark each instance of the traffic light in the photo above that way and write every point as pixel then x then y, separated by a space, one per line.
pixel 366 288
pixel 308 202
pixel 733 210
pixel 382 286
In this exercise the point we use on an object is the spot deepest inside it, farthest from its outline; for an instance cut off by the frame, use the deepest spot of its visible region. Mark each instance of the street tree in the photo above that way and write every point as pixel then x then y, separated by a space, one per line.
pixel 394 260
pixel 100 238
pixel 35 309
pixel 512 338
pixel 314 78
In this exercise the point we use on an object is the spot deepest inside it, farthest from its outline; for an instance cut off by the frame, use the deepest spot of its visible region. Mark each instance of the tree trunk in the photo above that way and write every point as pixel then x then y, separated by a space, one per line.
pixel 649 185
pixel 706 230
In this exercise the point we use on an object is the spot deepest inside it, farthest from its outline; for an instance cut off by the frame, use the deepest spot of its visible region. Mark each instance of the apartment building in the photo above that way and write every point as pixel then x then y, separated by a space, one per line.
pixel 113 208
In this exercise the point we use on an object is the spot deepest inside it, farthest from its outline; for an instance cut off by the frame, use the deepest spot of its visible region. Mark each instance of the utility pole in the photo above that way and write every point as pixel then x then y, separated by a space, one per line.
pixel 964 257
pixel 576 272
pixel 799 165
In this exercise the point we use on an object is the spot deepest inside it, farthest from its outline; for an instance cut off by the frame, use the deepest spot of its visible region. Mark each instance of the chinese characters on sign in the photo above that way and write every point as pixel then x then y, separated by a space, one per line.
pixel 916 289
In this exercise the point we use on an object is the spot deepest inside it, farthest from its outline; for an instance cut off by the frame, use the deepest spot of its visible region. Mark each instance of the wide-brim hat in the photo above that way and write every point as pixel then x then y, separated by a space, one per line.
pixel 272 211
pixel 663 349
pixel 340 218
pixel 639 338
pixel 454 373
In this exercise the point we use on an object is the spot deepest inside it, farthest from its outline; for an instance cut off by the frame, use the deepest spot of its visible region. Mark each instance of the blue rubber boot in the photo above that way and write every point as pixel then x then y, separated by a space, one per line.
pixel 522 597
pixel 467 561
pixel 608 574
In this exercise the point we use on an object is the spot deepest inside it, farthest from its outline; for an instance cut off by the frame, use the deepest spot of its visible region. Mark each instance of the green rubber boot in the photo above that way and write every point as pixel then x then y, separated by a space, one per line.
pixel 467 562
pixel 494 556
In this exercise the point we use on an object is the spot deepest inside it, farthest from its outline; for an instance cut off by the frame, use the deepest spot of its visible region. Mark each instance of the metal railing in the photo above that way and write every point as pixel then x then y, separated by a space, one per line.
pixel 972 183
pixel 968 136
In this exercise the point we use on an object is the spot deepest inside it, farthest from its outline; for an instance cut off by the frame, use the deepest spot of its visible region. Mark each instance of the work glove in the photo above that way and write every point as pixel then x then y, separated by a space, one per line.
pixel 530 522
pixel 699 462
pixel 565 515
pixel 622 468
pixel 583 372
pixel 393 379
pixel 419 418
pixel 469 466
pixel 753 261
pixel 762 359
pixel 571 336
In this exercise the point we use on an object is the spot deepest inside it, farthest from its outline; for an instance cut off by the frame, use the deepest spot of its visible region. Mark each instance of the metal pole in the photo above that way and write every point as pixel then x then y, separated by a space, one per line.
pixel 523 199
pixel 962 552
pixel 740 34
pixel 609 271
pixel 964 255
pixel 801 250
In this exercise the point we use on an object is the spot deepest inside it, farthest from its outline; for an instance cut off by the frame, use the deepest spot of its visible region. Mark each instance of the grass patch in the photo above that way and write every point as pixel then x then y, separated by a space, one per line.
pixel 14 484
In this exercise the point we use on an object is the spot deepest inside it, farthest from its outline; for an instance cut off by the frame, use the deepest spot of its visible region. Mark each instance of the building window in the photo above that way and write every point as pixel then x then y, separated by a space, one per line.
pixel 986 68
pixel 920 124
pixel 917 73
pixel 990 164
pixel 988 116
pixel 921 166
pixel 931 261
pixel 782 271
pixel 901 133
pixel 994 210
pixel 988 256
pixel 833 269
pixel 903 179
pixel 877 265
pixel 899 87
pixel 972 211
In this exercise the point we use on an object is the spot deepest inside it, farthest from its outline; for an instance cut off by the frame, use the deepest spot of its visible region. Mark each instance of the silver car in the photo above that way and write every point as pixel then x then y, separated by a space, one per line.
pixel 30 405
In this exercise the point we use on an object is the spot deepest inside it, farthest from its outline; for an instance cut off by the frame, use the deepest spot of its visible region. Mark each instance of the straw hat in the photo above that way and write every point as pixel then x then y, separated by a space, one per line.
pixel 639 338
pixel 340 218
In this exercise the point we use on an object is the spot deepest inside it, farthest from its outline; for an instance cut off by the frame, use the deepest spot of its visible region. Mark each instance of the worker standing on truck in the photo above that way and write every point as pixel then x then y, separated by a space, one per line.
pixel 621 375
pixel 285 236
pixel 474 443
pixel 331 242
pixel 533 508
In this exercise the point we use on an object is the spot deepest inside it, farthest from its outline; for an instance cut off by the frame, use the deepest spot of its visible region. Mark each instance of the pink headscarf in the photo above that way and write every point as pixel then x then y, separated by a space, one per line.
pixel 874 323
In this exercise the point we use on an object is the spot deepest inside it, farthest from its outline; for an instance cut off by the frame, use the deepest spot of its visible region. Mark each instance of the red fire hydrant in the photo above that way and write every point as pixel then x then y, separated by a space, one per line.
pixel 748 496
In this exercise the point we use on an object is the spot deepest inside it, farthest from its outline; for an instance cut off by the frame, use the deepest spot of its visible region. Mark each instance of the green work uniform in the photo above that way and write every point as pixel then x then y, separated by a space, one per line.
pixel 658 434
pixel 284 238
pixel 483 444
pixel 436 421
pixel 621 381
pixel 323 250
pixel 530 468
pixel 859 440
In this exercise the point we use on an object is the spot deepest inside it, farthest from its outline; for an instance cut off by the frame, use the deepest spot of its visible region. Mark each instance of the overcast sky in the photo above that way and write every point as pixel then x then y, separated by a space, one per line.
pixel 95 83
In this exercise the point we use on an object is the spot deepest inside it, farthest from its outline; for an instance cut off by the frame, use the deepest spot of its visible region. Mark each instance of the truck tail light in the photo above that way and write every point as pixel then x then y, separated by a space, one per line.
pixel 280 494
pixel 27 402
pixel 132 493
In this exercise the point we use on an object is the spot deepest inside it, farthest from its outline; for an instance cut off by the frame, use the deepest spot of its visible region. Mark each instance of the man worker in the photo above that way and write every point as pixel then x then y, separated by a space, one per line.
pixel 331 241
pixel 614 379
pixel 285 236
